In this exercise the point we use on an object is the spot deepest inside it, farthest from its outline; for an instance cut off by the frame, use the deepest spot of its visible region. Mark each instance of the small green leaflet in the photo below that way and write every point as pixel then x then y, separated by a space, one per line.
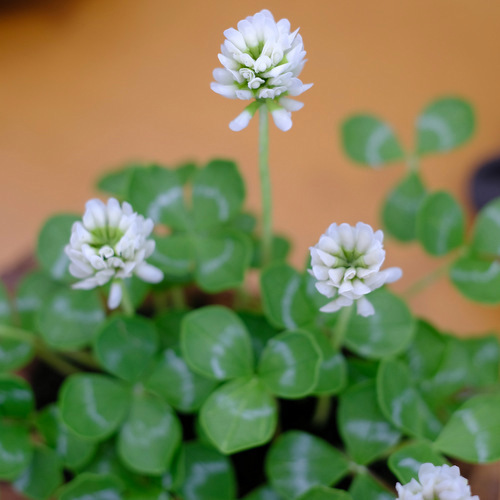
pixel 365 431
pixel 440 223
pixel 364 487
pixel 370 141
pixel 218 193
pixel 16 397
pixel 473 432
pixel 94 486
pixel 285 301
pixel 53 237
pixel 216 344
pixel 387 332
pixel 289 365
pixel 400 209
pixel 444 124
pixel 405 462
pixel 486 233
pixel 239 415
pixel 17 449
pixel 298 461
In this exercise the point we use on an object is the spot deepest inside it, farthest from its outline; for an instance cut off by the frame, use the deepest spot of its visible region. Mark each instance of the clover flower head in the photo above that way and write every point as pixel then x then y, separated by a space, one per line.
pixel 436 483
pixel 262 60
pixel 346 262
pixel 110 244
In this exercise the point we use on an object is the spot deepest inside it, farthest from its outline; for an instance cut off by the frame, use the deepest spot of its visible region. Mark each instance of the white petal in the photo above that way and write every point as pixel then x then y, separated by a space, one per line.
pixel 282 119
pixel 364 307
pixel 392 274
pixel 320 272
pixel 326 290
pixel 299 89
pixel 364 237
pixel 223 76
pixel 241 121
pixel 228 91
pixel 346 236
pixel 327 259
pixel 149 273
pixel 249 34
pixel 337 275
pixel 360 288
pixel 291 104
pixel 328 244
pixel 95 214
pixel 244 95
pixel 236 38
pixel 336 305
pixel 115 295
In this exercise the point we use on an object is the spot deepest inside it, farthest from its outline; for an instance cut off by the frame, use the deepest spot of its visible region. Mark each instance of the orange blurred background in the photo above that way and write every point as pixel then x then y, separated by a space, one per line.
pixel 87 85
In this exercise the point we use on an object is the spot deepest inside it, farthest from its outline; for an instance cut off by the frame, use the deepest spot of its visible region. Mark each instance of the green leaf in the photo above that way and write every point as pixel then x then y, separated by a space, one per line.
pixel 16 397
pixel 93 406
pixel 72 450
pixel 400 209
pixel 150 436
pixel 440 223
pixel 14 354
pixel 444 124
pixel 16 450
pixel 69 319
pixel 186 171
pixel 483 352
pixel 370 141
pixel 425 353
pixel 32 291
pixel 168 325
pixel 222 260
pixel 209 475
pixel 290 363
pixel 473 432
pixel 402 404
pixel 126 346
pixel 263 493
pixel 486 233
pixel 405 462
pixel 182 388
pixel 42 476
pixel 297 461
pixel 218 193
pixel 118 181
pixel 478 280
pixel 387 332
pixel 364 429
pixel 53 237
pixel 239 415
pixel 174 255
pixel 158 194
pixel 451 376
pixel 324 493
pixel 364 487
pixel 94 486
pixel 5 309
pixel 332 375
pixel 216 344
pixel 260 330
pixel 285 302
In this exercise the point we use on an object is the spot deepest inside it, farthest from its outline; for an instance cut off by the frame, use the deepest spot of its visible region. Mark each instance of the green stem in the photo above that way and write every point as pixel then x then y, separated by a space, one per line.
pixel 84 358
pixel 178 298
pixel 322 411
pixel 426 280
pixel 340 328
pixel 265 185
pixel 55 361
pixel 41 350
pixel 126 303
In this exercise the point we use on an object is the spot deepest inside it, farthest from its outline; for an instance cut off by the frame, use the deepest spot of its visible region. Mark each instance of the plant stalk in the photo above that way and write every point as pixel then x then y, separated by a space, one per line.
pixel 340 328
pixel 126 303
pixel 265 185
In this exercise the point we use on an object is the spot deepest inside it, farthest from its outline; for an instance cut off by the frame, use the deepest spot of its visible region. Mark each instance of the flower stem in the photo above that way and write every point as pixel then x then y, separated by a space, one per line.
pixel 322 411
pixel 126 303
pixel 265 184
pixel 178 298
pixel 426 280
pixel 340 328
pixel 42 351
pixel 83 358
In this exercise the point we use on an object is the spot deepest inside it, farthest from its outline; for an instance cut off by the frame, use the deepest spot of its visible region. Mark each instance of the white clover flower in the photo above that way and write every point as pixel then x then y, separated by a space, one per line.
pixel 110 244
pixel 436 483
pixel 346 262
pixel 262 61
